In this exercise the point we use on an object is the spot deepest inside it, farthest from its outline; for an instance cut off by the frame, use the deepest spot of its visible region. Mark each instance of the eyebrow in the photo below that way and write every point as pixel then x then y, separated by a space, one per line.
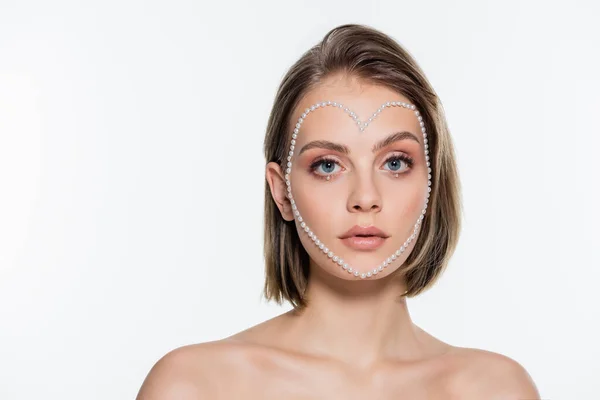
pixel 340 148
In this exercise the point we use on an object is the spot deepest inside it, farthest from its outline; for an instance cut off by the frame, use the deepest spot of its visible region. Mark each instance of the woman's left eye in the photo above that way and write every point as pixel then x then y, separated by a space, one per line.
pixel 397 160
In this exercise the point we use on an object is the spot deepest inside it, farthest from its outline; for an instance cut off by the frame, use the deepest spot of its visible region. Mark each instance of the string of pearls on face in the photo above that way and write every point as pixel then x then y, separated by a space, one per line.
pixel 334 258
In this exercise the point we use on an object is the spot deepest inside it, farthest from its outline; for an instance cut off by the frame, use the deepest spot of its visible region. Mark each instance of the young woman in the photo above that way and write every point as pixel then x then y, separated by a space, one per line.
pixel 362 209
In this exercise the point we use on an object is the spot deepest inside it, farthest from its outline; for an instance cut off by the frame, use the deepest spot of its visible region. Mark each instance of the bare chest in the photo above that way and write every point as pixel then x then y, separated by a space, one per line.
pixel 302 390
pixel 318 382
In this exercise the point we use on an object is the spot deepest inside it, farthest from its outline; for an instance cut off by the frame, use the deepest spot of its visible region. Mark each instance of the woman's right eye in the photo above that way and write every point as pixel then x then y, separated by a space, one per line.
pixel 324 167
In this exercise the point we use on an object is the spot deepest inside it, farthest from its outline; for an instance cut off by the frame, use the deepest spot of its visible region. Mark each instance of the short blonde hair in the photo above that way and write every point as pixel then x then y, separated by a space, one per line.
pixel 368 54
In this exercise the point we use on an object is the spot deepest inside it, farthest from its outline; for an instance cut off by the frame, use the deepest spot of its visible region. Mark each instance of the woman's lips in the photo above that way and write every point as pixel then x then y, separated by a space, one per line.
pixel 363 242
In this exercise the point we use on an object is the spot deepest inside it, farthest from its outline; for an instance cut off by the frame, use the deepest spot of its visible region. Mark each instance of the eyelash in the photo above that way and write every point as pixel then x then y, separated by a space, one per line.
pixel 402 157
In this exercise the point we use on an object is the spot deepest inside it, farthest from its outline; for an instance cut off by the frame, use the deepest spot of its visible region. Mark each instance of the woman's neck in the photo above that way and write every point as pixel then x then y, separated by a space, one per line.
pixel 357 322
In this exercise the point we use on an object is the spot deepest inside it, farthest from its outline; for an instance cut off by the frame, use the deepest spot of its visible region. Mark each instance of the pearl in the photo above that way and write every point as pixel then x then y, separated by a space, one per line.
pixel 361 126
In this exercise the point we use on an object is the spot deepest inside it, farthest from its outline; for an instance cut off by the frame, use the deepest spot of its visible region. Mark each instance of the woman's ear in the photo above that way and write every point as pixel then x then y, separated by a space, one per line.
pixel 278 187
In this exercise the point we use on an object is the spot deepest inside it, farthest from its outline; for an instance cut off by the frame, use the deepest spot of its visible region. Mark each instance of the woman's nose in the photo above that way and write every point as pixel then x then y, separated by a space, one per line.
pixel 364 195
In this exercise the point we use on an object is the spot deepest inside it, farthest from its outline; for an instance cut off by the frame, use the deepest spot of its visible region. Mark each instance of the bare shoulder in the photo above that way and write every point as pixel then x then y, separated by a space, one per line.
pixel 485 374
pixel 224 368
pixel 186 372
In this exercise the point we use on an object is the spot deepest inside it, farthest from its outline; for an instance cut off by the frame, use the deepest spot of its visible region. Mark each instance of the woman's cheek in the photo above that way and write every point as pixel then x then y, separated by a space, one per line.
pixel 314 205
pixel 318 205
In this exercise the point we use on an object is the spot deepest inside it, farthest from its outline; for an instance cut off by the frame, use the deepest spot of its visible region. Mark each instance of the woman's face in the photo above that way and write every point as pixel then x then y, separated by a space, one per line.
pixel 362 188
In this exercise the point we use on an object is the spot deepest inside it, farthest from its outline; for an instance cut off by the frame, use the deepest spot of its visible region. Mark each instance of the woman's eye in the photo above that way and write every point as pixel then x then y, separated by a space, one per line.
pixel 325 167
pixel 396 163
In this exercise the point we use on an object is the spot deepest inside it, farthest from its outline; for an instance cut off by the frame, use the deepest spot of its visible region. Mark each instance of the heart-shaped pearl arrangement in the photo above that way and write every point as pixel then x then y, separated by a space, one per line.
pixel 338 260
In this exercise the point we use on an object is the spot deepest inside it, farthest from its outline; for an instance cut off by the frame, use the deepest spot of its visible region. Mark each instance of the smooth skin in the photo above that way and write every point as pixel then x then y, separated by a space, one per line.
pixel 356 339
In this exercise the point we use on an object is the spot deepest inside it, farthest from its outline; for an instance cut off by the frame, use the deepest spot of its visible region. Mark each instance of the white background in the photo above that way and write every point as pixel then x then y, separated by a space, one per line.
pixel 132 173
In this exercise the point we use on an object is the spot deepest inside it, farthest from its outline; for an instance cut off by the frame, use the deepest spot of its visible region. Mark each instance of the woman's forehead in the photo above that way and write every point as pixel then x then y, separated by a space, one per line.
pixel 361 96
pixel 340 123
